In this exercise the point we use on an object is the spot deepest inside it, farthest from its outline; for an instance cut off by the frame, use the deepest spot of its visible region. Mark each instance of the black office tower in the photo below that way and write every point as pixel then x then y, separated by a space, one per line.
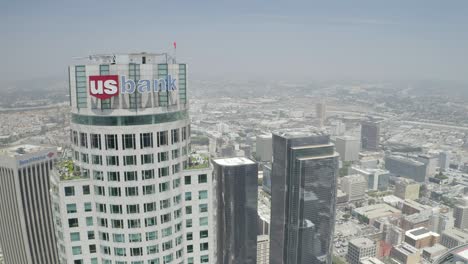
pixel 236 185
pixel 303 180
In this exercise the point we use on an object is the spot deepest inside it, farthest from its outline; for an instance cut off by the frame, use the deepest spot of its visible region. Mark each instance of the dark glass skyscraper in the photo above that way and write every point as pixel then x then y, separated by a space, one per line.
pixel 235 181
pixel 370 134
pixel 303 180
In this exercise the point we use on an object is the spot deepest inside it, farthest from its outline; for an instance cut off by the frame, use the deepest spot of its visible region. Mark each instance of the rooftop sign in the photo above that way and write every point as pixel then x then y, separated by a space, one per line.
pixel 107 86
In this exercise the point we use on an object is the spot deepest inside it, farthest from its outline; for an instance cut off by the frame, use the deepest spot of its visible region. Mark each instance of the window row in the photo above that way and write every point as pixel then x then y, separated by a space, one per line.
pixel 128 141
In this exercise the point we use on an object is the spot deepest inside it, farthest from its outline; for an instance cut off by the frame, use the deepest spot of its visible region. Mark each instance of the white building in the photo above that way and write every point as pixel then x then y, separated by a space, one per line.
pixel 264 147
pixel 354 186
pixel 348 147
pixel 377 179
pixel 460 213
pixel 26 223
pixel 360 248
pixel 130 193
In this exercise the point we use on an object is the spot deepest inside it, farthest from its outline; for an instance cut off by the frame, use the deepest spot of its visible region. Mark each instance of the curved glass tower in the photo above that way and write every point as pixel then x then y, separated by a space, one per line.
pixel 126 194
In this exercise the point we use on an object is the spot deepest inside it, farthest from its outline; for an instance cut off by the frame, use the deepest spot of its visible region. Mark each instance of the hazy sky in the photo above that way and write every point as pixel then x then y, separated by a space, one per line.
pixel 316 40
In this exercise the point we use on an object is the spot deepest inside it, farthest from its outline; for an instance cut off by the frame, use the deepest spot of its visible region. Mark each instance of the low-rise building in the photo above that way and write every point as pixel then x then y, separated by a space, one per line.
pixel 360 248
pixel 410 207
pixel 371 260
pixel 407 189
pixel 368 214
pixel 432 253
pixel 421 237
pixel 454 237
pixel 405 254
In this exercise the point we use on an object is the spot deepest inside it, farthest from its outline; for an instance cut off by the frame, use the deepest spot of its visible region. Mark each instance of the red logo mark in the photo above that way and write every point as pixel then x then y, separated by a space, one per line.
pixel 50 154
pixel 104 87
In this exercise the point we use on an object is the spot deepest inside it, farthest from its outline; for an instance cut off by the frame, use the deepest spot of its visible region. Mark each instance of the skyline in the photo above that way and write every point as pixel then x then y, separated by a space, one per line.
pixel 365 40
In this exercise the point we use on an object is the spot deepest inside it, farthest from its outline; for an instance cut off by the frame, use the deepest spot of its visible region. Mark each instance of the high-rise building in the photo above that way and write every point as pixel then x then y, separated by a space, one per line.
pixel 303 180
pixel 360 248
pixel 460 213
pixel 348 147
pixel 264 147
pixel 431 163
pixel 444 161
pixel 26 223
pixel 130 192
pixel 354 186
pixel 236 185
pixel 321 112
pixel 370 135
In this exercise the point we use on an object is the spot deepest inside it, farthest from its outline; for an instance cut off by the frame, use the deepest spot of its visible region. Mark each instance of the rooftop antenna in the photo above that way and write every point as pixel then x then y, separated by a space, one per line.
pixel 175 52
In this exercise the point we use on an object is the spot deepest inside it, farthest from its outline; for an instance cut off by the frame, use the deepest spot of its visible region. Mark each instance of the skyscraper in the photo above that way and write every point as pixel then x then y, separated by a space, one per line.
pixel 26 224
pixel 370 135
pixel 460 213
pixel 348 147
pixel 303 198
pixel 321 112
pixel 130 193
pixel 235 181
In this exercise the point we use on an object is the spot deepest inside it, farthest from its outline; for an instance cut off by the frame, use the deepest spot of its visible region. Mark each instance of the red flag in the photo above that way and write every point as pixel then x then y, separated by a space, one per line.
pixel 175 45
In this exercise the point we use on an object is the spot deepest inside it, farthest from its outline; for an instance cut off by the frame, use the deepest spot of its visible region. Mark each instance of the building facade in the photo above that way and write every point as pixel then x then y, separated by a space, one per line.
pixel 129 192
pixel 348 147
pixel 360 248
pixel 264 148
pixel 370 135
pixel 354 186
pixel 235 181
pixel 304 176
pixel 26 223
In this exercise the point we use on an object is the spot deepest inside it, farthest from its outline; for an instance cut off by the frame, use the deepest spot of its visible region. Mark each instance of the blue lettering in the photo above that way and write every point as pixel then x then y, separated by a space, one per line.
pixel 131 85
pixel 144 86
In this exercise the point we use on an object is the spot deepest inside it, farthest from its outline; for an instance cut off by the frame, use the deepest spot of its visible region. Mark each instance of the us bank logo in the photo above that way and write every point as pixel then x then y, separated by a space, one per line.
pixel 107 86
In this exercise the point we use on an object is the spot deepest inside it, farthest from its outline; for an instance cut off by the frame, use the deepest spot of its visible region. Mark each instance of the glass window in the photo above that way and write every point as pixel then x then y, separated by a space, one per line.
pixel 129 160
pixel 128 141
pixel 174 136
pixel 69 191
pixel 188 196
pixel 203 208
pixel 150 207
pixel 203 233
pixel 111 142
pixel 73 222
pixel 166 232
pixel 86 190
pixel 89 221
pixel 163 172
pixel 165 203
pixel 203 221
pixel 115 209
pixel 188 209
pixel 188 180
pixel 188 223
pixel 203 246
pixel 75 236
pixel 175 183
pixel 76 250
pixel 114 191
pixel 204 259
pixel 165 218
pixel 112 160
pixel 147 159
pixel 120 252
pixel 71 208
pixel 133 209
pixel 118 238
pixel 152 249
pixel 134 223
pixel 88 207
pixel 113 176
pixel 150 221
pixel 83 140
pixel 202 178
pixel 165 186
pixel 189 248
pixel 147 174
pixel 146 140
pixel 117 223
pixel 134 237
pixel 131 176
pixel 95 141
pixel 98 175
pixel 90 235
pixel 151 235
pixel 96 159
pixel 202 195
pixel 163 156
pixel 131 191
pixel 136 251
pixel 162 138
